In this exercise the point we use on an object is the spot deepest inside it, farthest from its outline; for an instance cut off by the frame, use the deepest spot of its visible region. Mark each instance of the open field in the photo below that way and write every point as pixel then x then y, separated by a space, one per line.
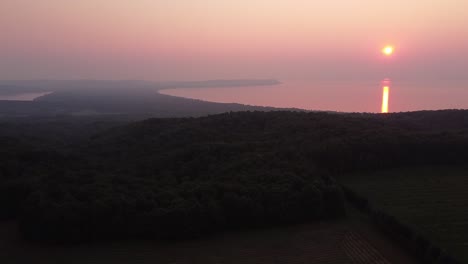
pixel 432 200
pixel 319 243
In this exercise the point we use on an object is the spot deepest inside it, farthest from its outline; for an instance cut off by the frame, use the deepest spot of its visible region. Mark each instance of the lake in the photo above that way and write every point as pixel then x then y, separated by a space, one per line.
pixel 23 96
pixel 345 96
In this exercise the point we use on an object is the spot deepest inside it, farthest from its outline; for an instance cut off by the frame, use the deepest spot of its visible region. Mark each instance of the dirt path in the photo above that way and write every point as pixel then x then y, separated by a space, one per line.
pixel 375 237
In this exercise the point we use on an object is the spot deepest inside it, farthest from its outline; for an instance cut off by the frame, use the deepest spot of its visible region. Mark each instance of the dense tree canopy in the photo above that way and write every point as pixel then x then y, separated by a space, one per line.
pixel 172 178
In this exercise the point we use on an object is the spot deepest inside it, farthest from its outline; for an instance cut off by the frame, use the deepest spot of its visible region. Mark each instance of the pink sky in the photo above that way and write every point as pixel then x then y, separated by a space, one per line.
pixel 207 39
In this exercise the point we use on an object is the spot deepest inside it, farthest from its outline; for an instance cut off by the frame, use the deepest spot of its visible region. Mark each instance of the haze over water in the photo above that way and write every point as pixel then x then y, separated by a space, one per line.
pixel 345 96
pixel 22 96
pixel 337 42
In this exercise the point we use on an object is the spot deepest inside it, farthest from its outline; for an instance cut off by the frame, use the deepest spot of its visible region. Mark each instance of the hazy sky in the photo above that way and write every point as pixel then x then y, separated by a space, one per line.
pixel 206 39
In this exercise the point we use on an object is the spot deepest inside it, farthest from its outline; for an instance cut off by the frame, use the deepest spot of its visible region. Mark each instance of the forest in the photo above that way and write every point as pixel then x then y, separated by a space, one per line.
pixel 86 179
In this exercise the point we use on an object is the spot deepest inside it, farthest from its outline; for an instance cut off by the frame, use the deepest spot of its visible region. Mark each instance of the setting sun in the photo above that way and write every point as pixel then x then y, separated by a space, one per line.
pixel 388 50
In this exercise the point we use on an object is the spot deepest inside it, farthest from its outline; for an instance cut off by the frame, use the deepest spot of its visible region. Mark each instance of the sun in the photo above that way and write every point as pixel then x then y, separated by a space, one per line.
pixel 388 50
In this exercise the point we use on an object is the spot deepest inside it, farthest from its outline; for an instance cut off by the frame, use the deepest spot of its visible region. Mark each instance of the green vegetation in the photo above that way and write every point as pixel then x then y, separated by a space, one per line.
pixel 430 200
pixel 164 179
pixel 178 178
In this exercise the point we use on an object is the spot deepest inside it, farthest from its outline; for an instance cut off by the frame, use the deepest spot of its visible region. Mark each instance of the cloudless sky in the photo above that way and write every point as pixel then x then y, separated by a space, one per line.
pixel 207 39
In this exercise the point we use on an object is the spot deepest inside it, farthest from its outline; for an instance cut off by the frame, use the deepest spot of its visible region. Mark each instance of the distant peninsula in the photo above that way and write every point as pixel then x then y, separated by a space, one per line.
pixel 131 98
pixel 220 83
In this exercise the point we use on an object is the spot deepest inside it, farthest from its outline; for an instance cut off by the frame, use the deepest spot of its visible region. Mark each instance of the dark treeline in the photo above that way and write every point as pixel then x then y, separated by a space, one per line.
pixel 172 178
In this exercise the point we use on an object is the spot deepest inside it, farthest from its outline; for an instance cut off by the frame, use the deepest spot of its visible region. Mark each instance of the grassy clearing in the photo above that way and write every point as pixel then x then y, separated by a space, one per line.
pixel 433 200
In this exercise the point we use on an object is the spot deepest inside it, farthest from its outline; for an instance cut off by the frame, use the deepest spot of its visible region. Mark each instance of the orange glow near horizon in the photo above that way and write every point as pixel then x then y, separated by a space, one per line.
pixel 212 39
pixel 386 91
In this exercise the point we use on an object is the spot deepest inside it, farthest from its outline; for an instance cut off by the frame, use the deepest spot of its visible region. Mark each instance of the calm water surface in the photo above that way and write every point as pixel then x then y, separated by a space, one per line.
pixel 23 96
pixel 355 96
